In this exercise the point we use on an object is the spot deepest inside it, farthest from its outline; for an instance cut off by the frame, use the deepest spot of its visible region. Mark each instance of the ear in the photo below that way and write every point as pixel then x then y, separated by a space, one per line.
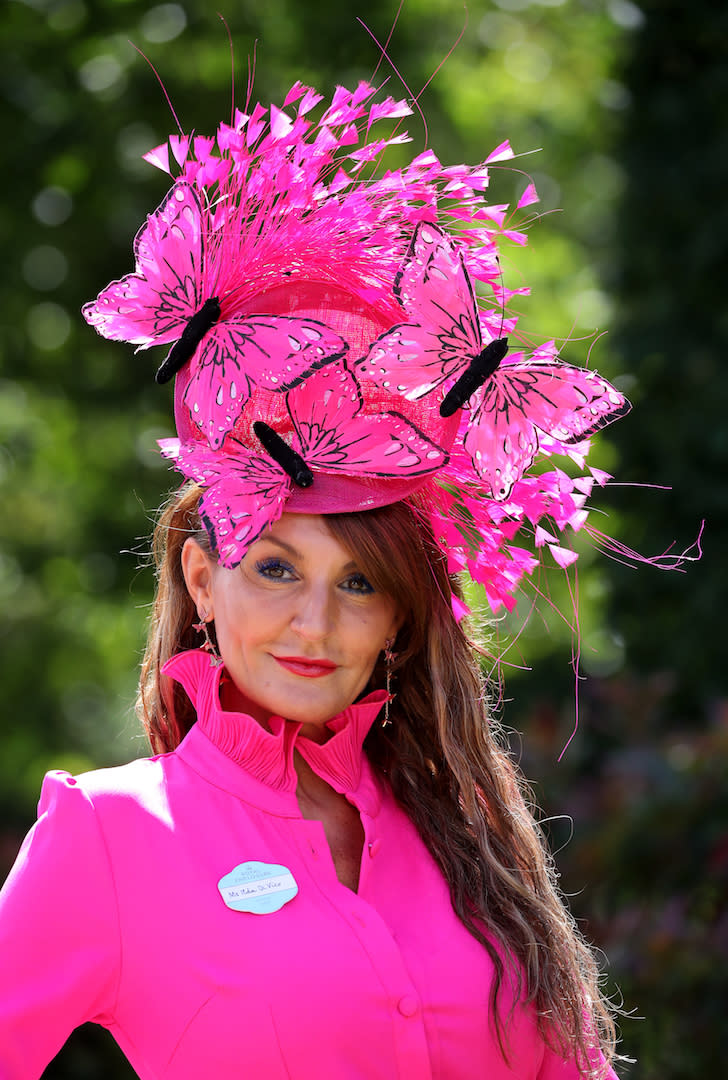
pixel 198 567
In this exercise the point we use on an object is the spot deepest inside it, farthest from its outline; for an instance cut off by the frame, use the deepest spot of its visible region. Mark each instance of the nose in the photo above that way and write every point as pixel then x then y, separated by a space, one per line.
pixel 314 614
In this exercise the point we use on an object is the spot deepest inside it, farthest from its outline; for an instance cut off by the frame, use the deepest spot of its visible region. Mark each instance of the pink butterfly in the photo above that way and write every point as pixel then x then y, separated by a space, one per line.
pixel 513 401
pixel 177 293
pixel 246 491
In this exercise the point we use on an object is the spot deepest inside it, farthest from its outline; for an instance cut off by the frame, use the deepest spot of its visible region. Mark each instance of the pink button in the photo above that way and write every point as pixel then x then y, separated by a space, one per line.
pixel 408 1005
pixel 374 847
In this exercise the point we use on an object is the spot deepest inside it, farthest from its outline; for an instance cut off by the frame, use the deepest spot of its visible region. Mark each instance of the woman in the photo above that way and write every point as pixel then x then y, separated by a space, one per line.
pixel 328 868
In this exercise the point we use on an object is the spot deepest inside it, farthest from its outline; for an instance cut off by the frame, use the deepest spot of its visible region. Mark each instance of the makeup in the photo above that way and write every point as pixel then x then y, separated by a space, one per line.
pixel 308 668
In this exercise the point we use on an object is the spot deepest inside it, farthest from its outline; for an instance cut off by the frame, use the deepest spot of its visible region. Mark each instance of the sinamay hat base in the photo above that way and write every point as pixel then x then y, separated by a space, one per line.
pixel 359 325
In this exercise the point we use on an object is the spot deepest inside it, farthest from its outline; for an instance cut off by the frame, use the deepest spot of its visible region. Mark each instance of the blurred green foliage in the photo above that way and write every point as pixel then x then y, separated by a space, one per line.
pixel 624 100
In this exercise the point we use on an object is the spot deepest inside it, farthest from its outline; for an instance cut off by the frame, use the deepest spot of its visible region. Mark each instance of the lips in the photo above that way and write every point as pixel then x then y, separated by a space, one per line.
pixel 309 669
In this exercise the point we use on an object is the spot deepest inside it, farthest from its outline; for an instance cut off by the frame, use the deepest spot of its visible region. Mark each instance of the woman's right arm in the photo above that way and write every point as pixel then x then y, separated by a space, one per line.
pixel 59 932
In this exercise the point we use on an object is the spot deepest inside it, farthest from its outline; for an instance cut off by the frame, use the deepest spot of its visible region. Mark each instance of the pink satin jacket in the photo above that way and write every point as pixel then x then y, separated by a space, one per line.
pixel 115 913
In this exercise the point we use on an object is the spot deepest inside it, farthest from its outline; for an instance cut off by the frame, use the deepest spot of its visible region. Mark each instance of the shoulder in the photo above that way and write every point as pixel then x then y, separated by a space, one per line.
pixel 121 782
pixel 105 794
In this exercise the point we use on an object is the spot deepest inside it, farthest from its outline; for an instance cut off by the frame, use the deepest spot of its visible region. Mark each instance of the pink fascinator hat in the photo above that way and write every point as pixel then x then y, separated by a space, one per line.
pixel 339 341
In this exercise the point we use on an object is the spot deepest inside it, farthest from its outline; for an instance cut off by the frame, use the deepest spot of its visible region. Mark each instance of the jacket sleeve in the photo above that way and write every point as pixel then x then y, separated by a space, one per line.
pixel 59 932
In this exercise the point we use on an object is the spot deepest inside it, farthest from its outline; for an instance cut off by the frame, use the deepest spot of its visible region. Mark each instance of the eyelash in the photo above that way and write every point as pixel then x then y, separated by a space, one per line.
pixel 266 565
pixel 276 569
pixel 361 581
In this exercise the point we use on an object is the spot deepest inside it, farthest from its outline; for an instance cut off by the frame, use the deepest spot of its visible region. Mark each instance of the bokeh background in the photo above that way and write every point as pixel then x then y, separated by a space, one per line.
pixel 625 104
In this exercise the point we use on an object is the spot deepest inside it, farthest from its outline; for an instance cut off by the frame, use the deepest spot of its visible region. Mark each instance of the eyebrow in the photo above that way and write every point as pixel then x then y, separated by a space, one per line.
pixel 279 543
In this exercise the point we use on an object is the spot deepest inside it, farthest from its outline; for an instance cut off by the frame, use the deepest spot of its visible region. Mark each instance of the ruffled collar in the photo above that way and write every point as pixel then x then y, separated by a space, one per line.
pixel 266 757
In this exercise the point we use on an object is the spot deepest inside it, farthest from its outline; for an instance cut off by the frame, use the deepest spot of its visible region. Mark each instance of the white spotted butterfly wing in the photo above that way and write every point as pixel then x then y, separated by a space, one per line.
pixel 152 305
pixel 334 435
pixel 527 398
pixel 244 492
pixel 521 400
pixel 416 357
pixel 273 351
pixel 176 272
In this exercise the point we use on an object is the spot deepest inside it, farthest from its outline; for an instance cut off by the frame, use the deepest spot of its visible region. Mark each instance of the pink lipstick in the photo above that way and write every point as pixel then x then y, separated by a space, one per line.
pixel 309 669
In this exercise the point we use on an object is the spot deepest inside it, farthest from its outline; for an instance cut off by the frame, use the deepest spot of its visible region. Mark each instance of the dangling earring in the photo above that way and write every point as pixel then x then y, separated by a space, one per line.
pixel 209 645
pixel 389 658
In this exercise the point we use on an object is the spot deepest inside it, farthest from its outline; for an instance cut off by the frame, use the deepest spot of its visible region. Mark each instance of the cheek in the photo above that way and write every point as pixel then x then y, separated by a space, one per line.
pixel 371 634
pixel 243 612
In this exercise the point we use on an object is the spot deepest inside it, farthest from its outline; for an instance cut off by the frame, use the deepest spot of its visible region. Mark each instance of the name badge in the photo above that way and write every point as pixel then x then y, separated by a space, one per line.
pixel 257 887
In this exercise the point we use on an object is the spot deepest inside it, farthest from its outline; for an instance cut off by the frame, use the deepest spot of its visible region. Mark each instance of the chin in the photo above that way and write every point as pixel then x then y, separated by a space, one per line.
pixel 299 714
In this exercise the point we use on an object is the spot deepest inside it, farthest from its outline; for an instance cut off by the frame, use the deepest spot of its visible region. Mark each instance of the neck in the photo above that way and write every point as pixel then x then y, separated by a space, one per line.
pixel 310 787
pixel 233 700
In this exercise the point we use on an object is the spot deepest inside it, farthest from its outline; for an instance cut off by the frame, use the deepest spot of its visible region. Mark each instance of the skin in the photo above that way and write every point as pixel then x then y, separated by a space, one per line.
pixel 297 593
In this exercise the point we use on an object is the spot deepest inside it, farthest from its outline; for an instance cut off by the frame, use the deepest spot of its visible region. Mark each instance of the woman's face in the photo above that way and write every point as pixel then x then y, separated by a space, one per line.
pixel 298 624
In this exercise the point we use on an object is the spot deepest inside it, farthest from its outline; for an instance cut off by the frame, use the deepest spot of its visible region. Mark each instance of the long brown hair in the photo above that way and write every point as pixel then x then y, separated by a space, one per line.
pixel 445 759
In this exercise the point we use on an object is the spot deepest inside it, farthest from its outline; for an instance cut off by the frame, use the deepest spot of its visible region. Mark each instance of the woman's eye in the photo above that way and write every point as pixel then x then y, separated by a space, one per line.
pixel 274 569
pixel 359 584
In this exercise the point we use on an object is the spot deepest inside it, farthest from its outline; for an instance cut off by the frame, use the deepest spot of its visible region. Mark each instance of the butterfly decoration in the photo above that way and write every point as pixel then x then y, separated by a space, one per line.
pixel 514 401
pixel 178 294
pixel 245 491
